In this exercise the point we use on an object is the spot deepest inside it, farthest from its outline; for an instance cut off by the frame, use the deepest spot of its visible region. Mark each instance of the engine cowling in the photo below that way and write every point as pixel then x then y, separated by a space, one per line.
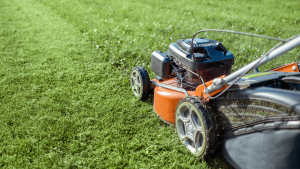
pixel 211 57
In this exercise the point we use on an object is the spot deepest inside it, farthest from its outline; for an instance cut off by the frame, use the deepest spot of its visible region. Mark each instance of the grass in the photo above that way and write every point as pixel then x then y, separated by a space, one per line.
pixel 65 95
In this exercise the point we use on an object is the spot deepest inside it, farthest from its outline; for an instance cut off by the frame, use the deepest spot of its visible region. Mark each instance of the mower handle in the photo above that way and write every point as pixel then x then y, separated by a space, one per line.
pixel 219 83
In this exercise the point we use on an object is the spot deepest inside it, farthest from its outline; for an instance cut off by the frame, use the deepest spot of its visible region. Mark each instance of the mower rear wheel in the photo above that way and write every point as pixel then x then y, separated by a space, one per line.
pixel 194 127
pixel 140 83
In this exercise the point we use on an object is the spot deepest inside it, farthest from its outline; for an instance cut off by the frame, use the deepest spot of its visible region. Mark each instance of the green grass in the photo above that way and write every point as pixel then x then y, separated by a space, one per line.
pixel 65 95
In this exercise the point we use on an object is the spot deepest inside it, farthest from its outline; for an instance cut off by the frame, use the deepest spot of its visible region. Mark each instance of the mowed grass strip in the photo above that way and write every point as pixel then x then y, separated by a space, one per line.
pixel 127 32
pixel 61 106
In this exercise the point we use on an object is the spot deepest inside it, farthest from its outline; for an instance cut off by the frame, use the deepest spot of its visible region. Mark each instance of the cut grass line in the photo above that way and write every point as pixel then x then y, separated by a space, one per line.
pixel 61 107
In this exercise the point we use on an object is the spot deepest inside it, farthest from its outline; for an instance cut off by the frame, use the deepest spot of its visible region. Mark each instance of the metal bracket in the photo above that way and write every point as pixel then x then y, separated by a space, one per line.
pixel 170 87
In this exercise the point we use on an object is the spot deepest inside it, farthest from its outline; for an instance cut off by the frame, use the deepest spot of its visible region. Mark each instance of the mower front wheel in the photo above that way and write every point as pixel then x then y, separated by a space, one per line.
pixel 194 127
pixel 140 83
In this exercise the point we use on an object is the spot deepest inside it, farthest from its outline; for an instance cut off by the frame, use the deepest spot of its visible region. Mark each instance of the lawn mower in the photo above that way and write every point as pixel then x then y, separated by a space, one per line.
pixel 253 118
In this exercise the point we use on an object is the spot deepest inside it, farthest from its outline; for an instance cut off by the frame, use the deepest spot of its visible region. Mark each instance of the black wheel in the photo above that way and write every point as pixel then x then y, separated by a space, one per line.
pixel 194 127
pixel 140 83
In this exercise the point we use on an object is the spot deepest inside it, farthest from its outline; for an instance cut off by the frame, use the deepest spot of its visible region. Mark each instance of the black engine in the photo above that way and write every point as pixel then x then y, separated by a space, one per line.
pixel 211 57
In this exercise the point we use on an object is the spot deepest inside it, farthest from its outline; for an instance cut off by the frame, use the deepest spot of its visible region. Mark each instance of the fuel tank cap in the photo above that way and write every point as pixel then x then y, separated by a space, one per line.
pixel 200 41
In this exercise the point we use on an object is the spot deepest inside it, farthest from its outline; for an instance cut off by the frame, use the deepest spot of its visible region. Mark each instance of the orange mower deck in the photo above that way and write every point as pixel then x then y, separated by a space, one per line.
pixel 166 100
pixel 293 67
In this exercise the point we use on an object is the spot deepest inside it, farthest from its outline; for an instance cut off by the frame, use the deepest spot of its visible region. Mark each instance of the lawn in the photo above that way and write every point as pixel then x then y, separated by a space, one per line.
pixel 65 95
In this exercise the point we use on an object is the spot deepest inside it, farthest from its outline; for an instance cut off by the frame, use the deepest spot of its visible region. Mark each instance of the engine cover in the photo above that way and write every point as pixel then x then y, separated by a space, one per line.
pixel 212 58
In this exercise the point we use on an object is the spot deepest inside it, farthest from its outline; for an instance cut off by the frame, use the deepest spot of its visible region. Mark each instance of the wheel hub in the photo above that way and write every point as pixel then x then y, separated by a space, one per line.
pixel 136 84
pixel 140 83
pixel 190 128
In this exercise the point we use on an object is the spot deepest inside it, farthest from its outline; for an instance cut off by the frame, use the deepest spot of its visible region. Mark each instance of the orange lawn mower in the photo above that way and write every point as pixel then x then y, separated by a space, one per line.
pixel 254 118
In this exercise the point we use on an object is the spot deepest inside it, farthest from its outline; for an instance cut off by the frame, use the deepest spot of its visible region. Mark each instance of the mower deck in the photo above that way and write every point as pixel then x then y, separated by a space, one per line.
pixel 166 100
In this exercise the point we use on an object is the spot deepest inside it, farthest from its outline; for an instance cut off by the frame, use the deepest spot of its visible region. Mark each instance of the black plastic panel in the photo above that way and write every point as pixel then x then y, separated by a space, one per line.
pixel 160 64
pixel 268 149
pixel 264 79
